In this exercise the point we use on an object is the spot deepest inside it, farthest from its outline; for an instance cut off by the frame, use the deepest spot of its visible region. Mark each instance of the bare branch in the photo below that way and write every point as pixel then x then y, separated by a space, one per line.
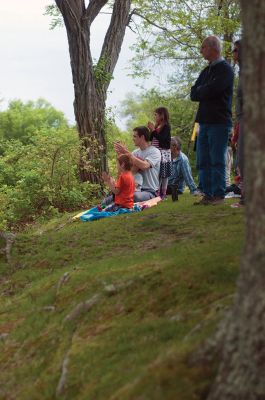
pixel 93 9
pixel 115 34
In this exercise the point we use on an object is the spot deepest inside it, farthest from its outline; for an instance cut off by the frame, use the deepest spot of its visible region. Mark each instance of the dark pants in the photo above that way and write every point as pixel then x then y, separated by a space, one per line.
pixel 211 151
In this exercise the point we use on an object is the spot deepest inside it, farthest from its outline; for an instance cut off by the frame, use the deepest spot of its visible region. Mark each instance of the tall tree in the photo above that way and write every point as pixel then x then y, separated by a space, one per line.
pixel 242 367
pixel 171 32
pixel 22 120
pixel 91 81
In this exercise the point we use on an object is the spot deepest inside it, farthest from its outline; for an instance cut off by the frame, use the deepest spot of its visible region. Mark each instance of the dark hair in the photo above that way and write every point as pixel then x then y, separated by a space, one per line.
pixel 142 131
pixel 176 140
pixel 163 111
pixel 238 44
pixel 126 159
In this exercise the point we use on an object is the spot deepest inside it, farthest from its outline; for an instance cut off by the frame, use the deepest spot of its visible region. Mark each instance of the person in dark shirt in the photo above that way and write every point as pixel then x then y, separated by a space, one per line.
pixel 213 90
pixel 160 138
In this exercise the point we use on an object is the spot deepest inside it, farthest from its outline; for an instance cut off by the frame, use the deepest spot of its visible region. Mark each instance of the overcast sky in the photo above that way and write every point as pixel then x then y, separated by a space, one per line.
pixel 35 60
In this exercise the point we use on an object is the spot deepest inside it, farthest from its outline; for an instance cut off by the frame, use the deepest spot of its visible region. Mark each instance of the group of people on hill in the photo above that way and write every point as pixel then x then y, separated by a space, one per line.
pixel 158 166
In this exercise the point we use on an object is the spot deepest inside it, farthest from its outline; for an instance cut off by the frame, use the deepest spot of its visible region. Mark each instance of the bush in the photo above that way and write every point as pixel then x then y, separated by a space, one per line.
pixel 41 177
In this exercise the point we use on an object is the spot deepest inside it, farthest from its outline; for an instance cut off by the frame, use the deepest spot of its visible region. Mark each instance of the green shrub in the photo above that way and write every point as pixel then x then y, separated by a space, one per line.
pixel 41 177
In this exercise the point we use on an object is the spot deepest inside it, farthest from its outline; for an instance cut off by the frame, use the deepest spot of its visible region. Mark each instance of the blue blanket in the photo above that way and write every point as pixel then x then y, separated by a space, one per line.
pixel 95 213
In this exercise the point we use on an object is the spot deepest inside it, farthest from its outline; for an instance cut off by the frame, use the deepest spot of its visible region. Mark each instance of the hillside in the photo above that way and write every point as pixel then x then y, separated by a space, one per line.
pixel 113 309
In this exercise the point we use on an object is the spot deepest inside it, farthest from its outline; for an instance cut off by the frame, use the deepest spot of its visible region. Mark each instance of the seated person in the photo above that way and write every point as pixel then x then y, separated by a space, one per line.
pixel 124 188
pixel 181 171
pixel 146 160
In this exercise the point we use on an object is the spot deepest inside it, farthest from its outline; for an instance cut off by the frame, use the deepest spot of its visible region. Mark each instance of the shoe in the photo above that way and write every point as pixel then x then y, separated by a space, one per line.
pixel 197 193
pixel 205 201
pixel 236 205
pixel 240 204
pixel 174 192
pixel 216 201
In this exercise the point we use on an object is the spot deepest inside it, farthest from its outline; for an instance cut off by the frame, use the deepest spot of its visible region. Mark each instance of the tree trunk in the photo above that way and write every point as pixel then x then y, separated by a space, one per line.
pixel 91 82
pixel 241 375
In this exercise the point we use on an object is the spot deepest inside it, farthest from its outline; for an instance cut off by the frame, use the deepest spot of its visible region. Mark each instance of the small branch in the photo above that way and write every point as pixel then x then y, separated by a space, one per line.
pixel 162 28
pixel 53 161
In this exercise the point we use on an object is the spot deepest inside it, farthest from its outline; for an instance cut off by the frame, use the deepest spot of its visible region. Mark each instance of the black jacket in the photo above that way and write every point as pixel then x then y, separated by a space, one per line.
pixel 163 137
pixel 214 89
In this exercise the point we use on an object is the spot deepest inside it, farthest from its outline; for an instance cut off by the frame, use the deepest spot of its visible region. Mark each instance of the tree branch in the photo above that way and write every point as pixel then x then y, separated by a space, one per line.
pixel 162 28
pixel 115 34
pixel 93 9
pixel 71 10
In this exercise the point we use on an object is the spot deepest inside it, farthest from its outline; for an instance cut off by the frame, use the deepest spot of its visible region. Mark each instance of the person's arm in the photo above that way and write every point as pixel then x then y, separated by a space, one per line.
pixel 199 81
pixel 186 172
pixel 110 182
pixel 140 164
pixel 222 78
pixel 150 126
pixel 137 162
pixel 163 136
pixel 120 149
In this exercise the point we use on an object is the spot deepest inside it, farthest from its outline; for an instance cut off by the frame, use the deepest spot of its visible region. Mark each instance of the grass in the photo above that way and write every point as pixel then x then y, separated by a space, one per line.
pixel 175 266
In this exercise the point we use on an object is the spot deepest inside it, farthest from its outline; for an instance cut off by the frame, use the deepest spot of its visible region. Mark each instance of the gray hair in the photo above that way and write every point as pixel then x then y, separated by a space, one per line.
pixel 176 140
pixel 215 43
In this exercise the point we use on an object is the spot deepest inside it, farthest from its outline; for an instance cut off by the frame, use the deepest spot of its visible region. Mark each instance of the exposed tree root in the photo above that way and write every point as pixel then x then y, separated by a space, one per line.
pixel 62 381
pixel 62 281
pixel 9 239
pixel 82 307
pixel 213 346
pixel 114 288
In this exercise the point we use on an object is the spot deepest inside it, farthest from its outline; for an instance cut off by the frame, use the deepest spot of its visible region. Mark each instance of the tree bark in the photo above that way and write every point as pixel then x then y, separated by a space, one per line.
pixel 241 374
pixel 91 82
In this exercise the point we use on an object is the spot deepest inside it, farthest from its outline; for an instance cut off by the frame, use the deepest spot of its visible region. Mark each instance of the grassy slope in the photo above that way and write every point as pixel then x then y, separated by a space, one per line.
pixel 178 264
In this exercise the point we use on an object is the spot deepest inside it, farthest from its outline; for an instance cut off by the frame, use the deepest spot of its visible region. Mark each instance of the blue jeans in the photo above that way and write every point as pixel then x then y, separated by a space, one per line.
pixel 211 151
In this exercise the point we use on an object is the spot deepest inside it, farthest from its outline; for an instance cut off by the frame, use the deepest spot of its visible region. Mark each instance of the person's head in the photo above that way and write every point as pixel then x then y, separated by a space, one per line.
pixel 211 48
pixel 125 162
pixel 236 52
pixel 141 136
pixel 161 116
pixel 175 146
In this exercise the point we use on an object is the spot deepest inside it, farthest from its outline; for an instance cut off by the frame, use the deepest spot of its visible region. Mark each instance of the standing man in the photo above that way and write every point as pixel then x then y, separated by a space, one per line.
pixel 213 90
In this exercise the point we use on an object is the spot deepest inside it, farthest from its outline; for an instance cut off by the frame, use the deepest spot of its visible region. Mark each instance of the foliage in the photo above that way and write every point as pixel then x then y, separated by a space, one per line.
pixel 180 265
pixel 41 177
pixel 21 120
pixel 139 110
pixel 114 134
pixel 101 75
pixel 53 11
pixel 170 33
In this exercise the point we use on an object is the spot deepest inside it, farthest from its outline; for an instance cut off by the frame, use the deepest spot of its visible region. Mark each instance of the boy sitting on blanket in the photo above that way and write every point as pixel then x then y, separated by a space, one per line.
pixel 124 188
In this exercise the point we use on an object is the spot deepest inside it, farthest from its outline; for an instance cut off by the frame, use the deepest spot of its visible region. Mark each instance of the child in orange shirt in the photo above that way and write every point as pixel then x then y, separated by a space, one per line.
pixel 124 187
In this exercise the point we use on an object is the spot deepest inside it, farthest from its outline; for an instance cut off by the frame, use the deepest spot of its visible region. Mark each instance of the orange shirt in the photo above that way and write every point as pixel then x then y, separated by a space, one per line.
pixel 126 185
